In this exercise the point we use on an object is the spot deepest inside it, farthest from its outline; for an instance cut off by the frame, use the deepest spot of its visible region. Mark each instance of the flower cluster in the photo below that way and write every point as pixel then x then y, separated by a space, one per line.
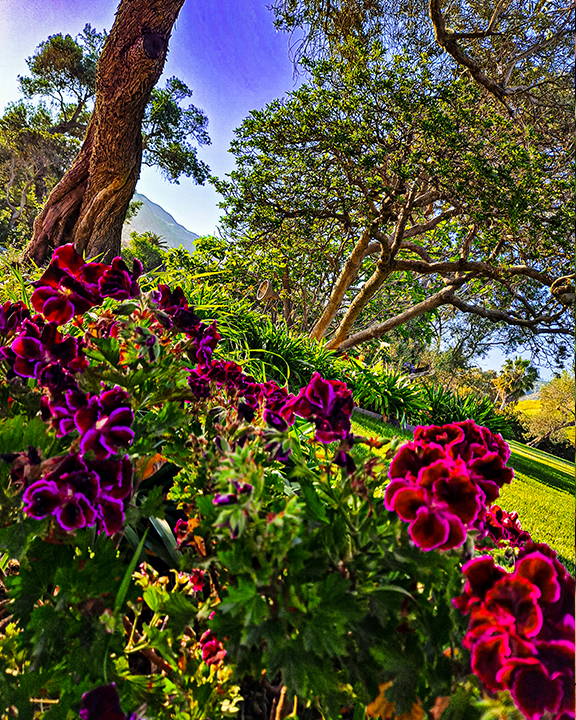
pixel 443 481
pixel 327 403
pixel 81 493
pixel 70 286
pixel 521 630
pixel 212 649
pixel 504 527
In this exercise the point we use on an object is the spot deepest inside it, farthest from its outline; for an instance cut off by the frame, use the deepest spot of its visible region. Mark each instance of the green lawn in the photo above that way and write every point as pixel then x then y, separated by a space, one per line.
pixel 542 491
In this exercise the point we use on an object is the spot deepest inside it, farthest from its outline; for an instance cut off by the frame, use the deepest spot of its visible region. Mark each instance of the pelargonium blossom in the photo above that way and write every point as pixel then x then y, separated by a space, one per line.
pixel 443 481
pixel 104 424
pixel 327 403
pixel 39 345
pixel 504 527
pixel 81 493
pixel 212 649
pixel 68 287
pixel 118 282
pixel 521 630
pixel 12 316
pixel 174 310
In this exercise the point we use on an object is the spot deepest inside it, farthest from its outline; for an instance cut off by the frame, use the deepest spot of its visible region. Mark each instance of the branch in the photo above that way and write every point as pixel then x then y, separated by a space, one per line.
pixel 479 268
pixel 412 232
pixel 448 42
pixel 375 331
pixel 500 316
pixel 402 220
pixel 540 45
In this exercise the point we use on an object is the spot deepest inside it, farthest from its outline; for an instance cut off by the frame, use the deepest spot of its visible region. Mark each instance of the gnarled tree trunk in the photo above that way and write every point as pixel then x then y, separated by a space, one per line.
pixel 89 204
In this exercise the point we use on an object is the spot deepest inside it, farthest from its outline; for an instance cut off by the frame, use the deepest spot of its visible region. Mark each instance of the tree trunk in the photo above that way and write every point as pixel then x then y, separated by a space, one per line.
pixel 369 289
pixel 345 279
pixel 89 204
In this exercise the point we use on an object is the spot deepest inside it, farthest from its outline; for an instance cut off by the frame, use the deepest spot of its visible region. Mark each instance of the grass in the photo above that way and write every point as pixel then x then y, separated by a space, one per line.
pixel 542 491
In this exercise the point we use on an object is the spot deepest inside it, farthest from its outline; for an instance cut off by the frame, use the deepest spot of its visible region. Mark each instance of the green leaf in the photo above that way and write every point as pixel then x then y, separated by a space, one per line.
pixel 125 584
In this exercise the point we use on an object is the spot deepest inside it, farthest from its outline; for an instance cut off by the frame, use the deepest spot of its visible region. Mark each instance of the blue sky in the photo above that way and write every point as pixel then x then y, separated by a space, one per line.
pixel 226 51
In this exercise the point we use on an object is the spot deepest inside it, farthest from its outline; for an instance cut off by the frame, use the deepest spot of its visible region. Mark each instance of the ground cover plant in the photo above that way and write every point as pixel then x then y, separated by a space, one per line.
pixel 182 541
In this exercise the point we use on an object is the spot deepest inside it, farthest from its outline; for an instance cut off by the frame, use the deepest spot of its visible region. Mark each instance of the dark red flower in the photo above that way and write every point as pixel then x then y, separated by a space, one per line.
pixel 104 424
pixel 118 282
pixel 68 287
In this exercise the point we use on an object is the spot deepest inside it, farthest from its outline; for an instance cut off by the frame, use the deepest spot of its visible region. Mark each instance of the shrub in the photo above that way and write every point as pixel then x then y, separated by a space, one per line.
pixel 191 540
pixel 445 406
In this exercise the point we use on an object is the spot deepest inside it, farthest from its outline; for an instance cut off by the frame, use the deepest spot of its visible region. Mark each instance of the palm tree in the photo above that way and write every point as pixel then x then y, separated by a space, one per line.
pixel 516 378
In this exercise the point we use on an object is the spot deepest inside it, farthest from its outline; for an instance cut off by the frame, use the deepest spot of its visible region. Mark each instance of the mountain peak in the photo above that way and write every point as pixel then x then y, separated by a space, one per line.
pixel 153 218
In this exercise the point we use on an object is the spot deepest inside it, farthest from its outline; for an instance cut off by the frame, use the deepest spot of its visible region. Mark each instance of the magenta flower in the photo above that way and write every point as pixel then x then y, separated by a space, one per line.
pixel 327 403
pixel 37 346
pixel 504 527
pixel 443 482
pixel 104 423
pixel 204 343
pixel 118 282
pixel 521 630
pixel 102 703
pixel 81 493
pixel 175 311
pixel 68 287
pixel 212 649
pixel 12 316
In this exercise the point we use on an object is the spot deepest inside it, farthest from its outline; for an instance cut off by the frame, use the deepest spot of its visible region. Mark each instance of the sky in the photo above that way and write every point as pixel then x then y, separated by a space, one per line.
pixel 226 51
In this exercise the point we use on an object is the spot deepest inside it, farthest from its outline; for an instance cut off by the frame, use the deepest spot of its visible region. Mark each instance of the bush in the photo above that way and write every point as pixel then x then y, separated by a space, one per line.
pixel 182 541
pixel 445 406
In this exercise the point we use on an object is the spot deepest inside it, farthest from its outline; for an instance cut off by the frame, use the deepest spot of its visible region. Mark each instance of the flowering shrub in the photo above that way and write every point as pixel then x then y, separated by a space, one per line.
pixel 521 630
pixel 192 542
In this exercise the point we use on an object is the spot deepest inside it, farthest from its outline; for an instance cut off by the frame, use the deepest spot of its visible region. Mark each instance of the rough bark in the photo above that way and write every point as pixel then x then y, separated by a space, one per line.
pixel 89 204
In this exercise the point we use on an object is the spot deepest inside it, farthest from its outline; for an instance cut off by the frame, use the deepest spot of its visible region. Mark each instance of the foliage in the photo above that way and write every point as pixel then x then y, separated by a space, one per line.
pixel 415 193
pixel 556 411
pixel 516 378
pixel 443 406
pixel 202 539
pixel 147 247
pixel 383 389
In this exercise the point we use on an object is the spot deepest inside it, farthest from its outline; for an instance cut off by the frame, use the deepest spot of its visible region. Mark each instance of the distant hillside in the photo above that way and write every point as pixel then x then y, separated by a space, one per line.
pixel 155 219
pixel 535 393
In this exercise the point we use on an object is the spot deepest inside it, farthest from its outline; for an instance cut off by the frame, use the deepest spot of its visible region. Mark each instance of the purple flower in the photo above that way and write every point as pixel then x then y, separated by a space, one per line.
pixel 327 403
pixel 12 316
pixel 68 287
pixel 205 340
pixel 174 310
pixel 104 423
pixel 225 499
pixel 80 492
pixel 118 282
pixel 41 499
pixel 102 703
pixel 37 346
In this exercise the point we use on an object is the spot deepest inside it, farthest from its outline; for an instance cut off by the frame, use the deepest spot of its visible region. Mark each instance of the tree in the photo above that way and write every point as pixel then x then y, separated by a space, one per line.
pixel 32 160
pixel 516 378
pixel 520 51
pixel 556 411
pixel 420 194
pixel 88 206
